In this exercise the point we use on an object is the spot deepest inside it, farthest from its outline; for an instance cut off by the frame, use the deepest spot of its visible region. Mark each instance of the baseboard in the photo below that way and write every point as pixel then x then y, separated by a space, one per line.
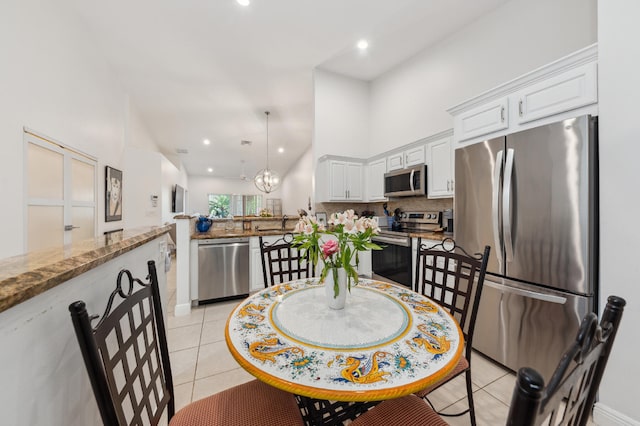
pixel 182 309
pixel 603 415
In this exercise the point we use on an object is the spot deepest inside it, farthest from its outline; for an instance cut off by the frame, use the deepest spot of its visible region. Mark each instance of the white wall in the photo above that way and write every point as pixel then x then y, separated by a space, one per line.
pixel 54 81
pixel 297 185
pixel 341 115
pixel 410 101
pixel 619 91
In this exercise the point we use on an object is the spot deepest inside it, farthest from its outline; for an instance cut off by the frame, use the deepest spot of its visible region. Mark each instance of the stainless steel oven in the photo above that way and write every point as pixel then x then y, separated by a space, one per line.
pixel 393 262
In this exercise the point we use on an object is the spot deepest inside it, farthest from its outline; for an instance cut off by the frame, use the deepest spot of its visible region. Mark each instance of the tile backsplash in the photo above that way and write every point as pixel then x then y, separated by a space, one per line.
pixel 404 203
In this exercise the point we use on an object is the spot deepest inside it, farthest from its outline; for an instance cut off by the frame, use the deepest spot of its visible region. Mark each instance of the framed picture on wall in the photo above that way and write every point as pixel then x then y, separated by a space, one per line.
pixel 113 195
pixel 322 218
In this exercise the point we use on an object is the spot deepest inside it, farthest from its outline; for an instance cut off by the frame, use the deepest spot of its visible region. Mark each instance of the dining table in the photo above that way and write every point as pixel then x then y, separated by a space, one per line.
pixel 387 342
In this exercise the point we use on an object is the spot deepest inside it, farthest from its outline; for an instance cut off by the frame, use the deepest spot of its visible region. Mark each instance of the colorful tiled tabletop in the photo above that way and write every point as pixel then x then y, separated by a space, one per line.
pixel 387 342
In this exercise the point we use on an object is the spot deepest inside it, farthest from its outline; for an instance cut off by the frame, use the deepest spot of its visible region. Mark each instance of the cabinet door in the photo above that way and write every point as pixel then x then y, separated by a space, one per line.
pixel 395 161
pixel 337 180
pixel 257 277
pixel 354 181
pixel 375 180
pixel 482 120
pixel 440 169
pixel 414 157
pixel 572 89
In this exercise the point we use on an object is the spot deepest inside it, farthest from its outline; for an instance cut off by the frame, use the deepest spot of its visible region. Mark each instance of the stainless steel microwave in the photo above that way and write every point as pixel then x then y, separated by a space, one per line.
pixel 406 182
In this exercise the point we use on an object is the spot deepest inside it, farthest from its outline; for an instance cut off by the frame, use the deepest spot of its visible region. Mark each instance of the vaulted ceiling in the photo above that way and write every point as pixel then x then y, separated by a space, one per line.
pixel 199 69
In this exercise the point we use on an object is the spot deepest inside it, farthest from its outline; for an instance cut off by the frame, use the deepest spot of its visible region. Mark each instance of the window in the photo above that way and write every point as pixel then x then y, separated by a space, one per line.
pixel 223 205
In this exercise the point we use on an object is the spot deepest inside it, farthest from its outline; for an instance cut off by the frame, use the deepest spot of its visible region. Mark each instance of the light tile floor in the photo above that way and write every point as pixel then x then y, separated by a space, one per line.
pixel 202 365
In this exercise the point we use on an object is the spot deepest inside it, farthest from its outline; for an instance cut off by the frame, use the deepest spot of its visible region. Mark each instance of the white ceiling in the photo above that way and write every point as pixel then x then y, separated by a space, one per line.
pixel 199 69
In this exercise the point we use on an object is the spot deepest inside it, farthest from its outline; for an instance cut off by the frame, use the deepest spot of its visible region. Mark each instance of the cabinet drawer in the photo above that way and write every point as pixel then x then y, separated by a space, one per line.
pixel 572 89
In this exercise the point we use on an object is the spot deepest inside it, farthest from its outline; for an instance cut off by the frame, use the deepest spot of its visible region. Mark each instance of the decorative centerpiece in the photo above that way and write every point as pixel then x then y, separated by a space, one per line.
pixel 338 247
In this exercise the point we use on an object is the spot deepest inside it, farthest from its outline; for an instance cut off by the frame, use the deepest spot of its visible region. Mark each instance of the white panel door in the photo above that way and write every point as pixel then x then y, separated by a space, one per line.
pixel 354 181
pixel 440 169
pixel 482 120
pixel 375 180
pixel 60 193
pixel 414 156
pixel 337 180
pixel 572 89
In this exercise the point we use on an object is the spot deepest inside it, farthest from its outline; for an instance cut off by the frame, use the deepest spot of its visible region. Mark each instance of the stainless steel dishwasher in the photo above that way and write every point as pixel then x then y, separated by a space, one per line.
pixel 223 268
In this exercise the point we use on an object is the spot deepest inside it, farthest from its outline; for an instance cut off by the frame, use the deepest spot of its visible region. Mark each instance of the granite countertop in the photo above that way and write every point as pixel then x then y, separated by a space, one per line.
pixel 438 236
pixel 25 276
pixel 236 233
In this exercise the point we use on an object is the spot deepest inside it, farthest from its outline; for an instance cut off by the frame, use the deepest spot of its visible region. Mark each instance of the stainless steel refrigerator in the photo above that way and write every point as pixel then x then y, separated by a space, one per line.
pixel 532 196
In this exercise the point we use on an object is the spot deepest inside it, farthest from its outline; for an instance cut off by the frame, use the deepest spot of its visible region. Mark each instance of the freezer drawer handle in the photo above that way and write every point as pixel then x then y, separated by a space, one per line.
pixel 526 293
pixel 497 170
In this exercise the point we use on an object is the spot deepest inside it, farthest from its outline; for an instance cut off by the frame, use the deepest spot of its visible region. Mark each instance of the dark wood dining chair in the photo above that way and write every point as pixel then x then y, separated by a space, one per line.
pixel 450 276
pixel 571 392
pixel 127 358
pixel 281 262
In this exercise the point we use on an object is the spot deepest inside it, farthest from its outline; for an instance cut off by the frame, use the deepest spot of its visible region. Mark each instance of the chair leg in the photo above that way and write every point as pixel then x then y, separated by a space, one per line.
pixel 472 412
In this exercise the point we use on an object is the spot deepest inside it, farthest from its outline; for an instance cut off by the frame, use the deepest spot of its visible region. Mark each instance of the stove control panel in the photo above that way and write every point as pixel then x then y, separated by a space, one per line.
pixel 431 218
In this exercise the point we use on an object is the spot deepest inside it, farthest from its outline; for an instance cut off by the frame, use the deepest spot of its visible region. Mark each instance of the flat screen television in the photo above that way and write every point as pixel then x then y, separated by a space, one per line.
pixel 177 199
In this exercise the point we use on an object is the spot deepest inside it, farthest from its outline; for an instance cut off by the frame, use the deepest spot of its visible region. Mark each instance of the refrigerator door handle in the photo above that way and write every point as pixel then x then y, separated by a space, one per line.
pixel 545 297
pixel 506 205
pixel 495 205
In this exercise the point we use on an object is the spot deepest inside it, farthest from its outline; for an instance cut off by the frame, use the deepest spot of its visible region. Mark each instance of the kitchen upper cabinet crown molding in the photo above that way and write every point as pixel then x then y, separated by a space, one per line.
pixel 567 86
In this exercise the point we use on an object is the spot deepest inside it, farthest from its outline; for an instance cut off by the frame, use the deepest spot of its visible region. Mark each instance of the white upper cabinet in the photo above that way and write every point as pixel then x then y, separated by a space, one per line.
pixel 406 158
pixel 395 161
pixel 562 89
pixel 339 180
pixel 375 180
pixel 414 156
pixel 440 168
pixel 482 120
pixel 569 90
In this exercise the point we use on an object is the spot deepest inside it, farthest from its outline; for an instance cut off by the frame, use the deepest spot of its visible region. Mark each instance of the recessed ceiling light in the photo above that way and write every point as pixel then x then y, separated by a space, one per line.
pixel 281 150
pixel 243 2
pixel 206 141
pixel 210 169
pixel 363 44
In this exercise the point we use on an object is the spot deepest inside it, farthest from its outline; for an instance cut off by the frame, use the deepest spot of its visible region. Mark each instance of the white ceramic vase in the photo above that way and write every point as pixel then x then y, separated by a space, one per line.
pixel 336 301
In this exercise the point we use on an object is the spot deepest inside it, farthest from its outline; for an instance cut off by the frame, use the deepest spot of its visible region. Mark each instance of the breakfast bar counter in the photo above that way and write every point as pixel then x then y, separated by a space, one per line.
pixel 25 276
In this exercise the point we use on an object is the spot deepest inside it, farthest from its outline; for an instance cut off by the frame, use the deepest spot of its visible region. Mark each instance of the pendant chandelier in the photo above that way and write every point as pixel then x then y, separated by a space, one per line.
pixel 267 180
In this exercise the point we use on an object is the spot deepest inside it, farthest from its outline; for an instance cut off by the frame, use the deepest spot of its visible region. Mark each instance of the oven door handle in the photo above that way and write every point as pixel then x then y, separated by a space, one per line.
pixel 404 242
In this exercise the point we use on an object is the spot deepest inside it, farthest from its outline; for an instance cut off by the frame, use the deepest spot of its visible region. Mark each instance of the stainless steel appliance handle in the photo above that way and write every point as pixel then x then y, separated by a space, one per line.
pixel 495 205
pixel 411 180
pixel 506 205
pixel 545 297
pixel 404 242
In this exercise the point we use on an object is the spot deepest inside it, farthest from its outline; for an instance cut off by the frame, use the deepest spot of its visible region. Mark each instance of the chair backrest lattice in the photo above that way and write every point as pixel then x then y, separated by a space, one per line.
pixel 126 353
pixel 571 392
pixel 447 274
pixel 282 262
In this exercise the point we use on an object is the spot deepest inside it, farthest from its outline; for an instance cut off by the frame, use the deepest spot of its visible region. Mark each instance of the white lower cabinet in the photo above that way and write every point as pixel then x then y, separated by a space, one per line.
pixel 440 164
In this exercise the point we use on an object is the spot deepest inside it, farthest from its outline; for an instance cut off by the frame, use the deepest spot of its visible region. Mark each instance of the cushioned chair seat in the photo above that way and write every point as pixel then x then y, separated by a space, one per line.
pixel 407 411
pixel 250 404
pixel 463 364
